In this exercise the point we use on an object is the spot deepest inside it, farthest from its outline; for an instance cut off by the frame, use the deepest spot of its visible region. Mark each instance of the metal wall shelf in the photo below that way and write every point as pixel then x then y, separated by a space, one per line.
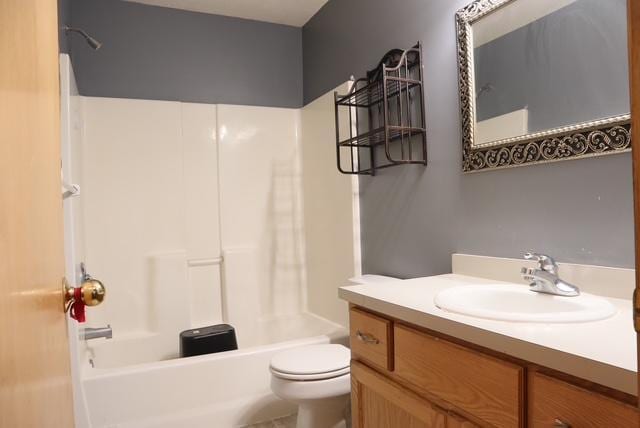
pixel 378 136
pixel 384 115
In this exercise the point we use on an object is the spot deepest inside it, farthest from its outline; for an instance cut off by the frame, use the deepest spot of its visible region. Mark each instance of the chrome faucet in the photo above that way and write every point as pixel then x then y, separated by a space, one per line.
pixel 96 333
pixel 544 279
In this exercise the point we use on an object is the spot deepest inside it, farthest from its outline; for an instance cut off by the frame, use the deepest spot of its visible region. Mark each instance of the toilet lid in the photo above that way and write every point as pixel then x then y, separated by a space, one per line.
pixel 313 361
pixel 308 377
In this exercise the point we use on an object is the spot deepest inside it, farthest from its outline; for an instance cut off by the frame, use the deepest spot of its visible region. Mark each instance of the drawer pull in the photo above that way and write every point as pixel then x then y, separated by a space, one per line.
pixel 558 423
pixel 366 338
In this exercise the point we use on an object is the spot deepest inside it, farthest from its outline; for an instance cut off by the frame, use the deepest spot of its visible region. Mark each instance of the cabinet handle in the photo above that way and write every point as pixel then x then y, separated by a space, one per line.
pixel 366 338
pixel 560 424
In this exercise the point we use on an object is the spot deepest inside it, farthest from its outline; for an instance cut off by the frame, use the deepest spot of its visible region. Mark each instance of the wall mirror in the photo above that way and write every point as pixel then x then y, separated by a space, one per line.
pixel 542 81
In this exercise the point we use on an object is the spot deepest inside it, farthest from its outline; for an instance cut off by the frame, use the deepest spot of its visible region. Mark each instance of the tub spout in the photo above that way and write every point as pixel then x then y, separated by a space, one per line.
pixel 96 333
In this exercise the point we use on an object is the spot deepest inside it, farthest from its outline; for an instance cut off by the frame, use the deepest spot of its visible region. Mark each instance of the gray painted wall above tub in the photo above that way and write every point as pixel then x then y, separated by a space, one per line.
pixel 414 218
pixel 64 18
pixel 153 52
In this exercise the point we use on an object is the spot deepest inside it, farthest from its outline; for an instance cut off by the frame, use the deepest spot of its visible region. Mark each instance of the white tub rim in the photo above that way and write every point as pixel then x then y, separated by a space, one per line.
pixel 338 335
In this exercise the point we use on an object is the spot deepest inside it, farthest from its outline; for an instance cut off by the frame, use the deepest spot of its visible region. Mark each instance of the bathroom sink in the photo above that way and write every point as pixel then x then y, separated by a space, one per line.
pixel 506 302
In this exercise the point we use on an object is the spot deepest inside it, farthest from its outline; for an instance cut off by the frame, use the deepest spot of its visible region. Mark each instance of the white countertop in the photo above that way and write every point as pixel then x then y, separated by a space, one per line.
pixel 601 351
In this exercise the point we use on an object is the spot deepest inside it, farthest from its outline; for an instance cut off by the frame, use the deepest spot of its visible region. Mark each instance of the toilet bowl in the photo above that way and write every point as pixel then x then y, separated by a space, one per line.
pixel 316 378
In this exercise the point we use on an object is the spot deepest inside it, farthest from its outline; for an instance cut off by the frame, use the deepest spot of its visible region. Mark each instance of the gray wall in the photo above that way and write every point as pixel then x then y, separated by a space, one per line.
pixel 167 54
pixel 413 218
pixel 563 67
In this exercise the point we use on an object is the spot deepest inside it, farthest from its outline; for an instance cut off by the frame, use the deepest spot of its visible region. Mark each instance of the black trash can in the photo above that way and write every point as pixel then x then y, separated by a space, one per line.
pixel 207 340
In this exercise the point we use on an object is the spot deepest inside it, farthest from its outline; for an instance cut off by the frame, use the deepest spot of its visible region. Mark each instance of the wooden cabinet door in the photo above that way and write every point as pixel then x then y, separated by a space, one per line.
pixel 377 402
pixel 457 421
pixel 35 382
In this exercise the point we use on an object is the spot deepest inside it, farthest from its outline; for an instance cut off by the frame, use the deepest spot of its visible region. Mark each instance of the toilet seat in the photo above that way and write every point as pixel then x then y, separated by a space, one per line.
pixel 314 376
pixel 313 362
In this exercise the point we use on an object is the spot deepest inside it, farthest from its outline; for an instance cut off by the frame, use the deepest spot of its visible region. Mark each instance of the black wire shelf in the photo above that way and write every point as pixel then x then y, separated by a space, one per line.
pixel 372 94
pixel 384 116
pixel 377 136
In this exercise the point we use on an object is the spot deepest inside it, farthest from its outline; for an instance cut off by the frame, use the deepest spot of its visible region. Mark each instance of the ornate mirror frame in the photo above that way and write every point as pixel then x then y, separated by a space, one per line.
pixel 594 138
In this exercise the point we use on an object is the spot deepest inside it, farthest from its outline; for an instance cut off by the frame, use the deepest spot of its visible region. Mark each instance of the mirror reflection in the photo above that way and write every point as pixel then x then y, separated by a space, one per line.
pixel 540 65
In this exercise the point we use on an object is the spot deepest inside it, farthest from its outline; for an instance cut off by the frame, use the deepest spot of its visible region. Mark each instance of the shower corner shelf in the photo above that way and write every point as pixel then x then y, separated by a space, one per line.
pixel 383 116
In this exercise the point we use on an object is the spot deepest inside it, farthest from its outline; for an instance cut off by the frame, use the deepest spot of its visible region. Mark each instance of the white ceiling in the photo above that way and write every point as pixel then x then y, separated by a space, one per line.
pixel 289 12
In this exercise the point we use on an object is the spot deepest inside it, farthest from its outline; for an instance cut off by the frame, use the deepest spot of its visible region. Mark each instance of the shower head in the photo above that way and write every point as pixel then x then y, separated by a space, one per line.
pixel 95 45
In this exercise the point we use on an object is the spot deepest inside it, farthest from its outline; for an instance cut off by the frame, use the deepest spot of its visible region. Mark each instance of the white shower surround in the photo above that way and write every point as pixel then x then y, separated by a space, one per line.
pixel 161 211
pixel 167 277
pixel 150 205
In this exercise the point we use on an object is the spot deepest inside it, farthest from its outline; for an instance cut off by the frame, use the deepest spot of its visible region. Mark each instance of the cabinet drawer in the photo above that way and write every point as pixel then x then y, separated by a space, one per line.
pixel 370 337
pixel 485 387
pixel 552 401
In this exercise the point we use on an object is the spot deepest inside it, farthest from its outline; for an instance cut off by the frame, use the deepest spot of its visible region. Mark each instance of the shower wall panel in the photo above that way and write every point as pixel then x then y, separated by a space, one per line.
pixel 260 202
pixel 150 200
pixel 331 214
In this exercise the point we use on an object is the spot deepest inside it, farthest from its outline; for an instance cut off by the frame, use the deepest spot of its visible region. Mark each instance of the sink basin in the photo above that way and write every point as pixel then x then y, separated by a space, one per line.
pixel 506 302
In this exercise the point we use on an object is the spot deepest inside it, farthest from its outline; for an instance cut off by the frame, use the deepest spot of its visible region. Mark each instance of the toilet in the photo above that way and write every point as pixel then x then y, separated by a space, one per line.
pixel 316 378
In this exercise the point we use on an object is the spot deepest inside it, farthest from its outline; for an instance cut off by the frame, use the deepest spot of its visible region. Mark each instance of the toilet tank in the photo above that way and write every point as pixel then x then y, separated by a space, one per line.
pixel 371 279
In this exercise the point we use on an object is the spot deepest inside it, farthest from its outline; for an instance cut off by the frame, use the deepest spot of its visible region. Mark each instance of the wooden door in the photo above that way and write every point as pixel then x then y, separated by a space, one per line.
pixel 377 402
pixel 633 13
pixel 35 387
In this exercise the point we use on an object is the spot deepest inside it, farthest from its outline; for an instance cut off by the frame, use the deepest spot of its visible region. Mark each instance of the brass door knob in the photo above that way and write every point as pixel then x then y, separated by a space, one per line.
pixel 92 292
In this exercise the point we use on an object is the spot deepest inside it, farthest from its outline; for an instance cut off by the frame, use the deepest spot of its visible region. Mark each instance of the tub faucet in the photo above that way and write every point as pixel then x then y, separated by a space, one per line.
pixel 96 333
pixel 544 278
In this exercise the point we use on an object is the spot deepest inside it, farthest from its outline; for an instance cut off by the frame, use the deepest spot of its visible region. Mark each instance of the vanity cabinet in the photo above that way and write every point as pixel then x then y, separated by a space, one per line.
pixel 404 376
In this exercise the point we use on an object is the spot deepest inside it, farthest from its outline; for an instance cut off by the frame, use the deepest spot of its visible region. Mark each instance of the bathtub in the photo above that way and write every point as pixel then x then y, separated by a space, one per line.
pixel 228 389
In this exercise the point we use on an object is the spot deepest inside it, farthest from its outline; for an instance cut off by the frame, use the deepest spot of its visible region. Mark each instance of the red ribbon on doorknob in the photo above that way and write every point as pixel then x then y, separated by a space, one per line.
pixel 77 311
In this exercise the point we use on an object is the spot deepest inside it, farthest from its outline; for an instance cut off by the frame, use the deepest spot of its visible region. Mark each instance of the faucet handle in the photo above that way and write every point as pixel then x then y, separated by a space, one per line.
pixel 544 262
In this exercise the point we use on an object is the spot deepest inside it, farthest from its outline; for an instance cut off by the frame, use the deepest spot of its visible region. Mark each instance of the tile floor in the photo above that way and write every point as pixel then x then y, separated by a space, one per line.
pixel 285 422
pixel 290 421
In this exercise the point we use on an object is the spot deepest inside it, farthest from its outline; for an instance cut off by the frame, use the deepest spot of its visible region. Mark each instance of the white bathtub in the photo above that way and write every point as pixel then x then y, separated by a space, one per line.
pixel 228 389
